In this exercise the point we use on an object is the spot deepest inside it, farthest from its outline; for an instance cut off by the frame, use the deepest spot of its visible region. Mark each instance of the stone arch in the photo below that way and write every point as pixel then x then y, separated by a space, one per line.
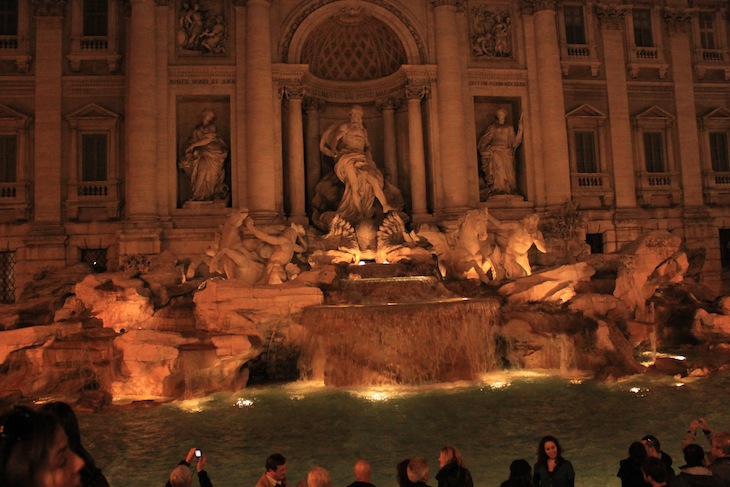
pixel 305 20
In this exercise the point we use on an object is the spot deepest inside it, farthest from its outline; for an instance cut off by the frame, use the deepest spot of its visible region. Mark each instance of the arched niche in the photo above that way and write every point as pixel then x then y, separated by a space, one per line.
pixel 304 21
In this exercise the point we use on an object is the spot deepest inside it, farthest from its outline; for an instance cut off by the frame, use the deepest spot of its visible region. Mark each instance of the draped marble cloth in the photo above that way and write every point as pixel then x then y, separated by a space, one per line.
pixel 354 206
pixel 497 147
pixel 206 162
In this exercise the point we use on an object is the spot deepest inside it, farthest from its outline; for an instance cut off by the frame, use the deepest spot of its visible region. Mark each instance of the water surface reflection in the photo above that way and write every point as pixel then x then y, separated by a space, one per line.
pixel 492 422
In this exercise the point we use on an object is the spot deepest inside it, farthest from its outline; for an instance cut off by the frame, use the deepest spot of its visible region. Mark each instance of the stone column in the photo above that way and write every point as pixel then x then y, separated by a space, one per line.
pixel 141 127
pixel 612 26
pixel 699 231
pixel 48 112
pixel 294 95
pixel 259 97
pixel 552 104
pixel 46 240
pixel 414 95
pixel 457 193
pixel 679 23
pixel 314 161
pixel 390 158
pixel 141 231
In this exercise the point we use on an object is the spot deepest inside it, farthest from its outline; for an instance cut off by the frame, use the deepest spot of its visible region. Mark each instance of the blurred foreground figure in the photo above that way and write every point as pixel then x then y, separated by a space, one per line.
pixel 34 451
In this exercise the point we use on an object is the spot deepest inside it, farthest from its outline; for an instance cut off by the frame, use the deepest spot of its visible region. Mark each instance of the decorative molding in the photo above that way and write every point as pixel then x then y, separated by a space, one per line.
pixel 481 78
pixel 391 103
pixel 679 21
pixel 417 91
pixel 529 7
pixel 186 75
pixel 447 3
pixel 302 15
pixel 49 8
pixel 292 90
pixel 611 17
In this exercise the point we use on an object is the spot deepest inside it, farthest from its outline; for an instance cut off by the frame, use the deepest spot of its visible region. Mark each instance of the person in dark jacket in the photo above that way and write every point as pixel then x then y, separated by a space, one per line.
pixel 452 472
pixel 551 469
pixel 720 467
pixel 694 473
pixel 654 449
pixel 520 474
pixel 629 470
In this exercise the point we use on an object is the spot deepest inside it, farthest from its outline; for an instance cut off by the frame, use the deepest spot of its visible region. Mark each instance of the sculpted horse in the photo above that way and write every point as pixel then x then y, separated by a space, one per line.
pixel 465 252
pixel 514 240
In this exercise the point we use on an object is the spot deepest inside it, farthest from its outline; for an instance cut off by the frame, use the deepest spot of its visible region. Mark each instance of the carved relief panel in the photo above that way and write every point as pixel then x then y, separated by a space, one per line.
pixel 202 28
pixel 491 31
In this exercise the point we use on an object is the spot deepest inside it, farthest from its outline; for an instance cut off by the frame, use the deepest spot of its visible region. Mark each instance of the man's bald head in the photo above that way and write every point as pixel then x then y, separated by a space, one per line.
pixel 362 471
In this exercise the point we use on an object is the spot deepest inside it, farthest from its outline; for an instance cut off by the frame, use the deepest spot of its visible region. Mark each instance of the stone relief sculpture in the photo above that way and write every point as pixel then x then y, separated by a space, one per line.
pixel 497 150
pixel 347 143
pixel 203 160
pixel 513 241
pixel 491 33
pixel 201 29
pixel 279 267
pixel 228 256
pixel 464 253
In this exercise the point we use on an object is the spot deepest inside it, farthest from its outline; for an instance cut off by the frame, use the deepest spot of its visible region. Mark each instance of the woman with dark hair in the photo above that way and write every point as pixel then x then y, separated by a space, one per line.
pixel 34 451
pixel 91 475
pixel 402 473
pixel 520 474
pixel 630 468
pixel 452 472
pixel 551 469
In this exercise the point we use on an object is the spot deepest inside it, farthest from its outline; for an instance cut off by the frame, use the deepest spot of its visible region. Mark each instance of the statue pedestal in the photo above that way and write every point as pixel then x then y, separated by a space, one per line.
pixel 204 205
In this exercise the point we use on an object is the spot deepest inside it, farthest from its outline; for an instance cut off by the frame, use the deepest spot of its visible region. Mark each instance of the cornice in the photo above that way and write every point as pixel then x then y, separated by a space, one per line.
pixel 49 8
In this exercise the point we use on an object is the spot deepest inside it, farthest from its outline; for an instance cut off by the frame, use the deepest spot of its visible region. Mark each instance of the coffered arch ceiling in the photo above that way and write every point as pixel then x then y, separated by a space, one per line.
pixel 352 40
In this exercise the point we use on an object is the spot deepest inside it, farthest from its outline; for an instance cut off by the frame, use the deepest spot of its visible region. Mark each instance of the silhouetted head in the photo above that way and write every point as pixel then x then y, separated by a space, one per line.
pixel 694 455
pixel 654 469
pixel 637 452
pixel 450 454
pixel 519 468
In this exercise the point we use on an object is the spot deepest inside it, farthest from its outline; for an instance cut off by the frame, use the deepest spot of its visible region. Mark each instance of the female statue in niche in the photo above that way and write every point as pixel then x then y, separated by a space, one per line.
pixel 497 147
pixel 203 160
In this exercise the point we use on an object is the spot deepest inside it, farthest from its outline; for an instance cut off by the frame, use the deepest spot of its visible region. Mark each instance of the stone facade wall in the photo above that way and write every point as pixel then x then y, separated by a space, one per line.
pixel 429 75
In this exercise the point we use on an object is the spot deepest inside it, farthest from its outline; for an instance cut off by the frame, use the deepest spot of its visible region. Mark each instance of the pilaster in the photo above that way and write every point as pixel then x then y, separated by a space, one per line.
pixel 612 20
pixel 679 27
pixel 457 195
pixel 259 96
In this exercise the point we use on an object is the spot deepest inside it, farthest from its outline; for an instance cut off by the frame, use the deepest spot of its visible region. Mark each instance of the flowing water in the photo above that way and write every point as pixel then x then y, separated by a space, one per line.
pixel 492 422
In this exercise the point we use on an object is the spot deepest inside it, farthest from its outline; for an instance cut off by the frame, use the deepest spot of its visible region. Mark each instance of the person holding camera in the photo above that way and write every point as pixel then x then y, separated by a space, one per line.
pixel 181 476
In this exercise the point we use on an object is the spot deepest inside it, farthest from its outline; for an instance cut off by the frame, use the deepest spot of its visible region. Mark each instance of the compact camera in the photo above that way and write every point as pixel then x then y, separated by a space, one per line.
pixel 198 453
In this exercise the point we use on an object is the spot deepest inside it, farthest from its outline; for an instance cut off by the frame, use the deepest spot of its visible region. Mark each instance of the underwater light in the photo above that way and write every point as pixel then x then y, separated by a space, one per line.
pixel 244 403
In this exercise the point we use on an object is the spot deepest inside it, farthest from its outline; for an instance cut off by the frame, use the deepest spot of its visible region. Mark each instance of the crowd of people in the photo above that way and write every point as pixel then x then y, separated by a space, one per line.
pixel 42 447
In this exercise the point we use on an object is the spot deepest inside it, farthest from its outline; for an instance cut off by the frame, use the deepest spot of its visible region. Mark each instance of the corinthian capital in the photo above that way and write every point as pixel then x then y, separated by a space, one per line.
pixel 49 8
pixel 611 17
pixel 529 7
pixel 678 20
pixel 417 91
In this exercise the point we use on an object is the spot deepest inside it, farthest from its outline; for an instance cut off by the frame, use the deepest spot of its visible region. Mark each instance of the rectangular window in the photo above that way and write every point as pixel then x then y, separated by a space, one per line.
pixel 8 17
pixel 96 258
pixel 93 165
pixel 585 152
pixel 7 276
pixel 8 161
pixel 642 28
pixel 595 240
pixel 719 151
pixel 575 30
pixel 707 30
pixel 654 152
pixel 96 18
